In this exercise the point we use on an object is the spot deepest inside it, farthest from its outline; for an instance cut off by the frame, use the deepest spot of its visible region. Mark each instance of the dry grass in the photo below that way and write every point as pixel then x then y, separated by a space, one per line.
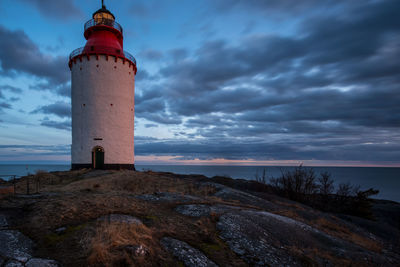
pixel 6 191
pixel 108 246
pixel 43 181
pixel 137 183
pixel 337 229
pixel 307 257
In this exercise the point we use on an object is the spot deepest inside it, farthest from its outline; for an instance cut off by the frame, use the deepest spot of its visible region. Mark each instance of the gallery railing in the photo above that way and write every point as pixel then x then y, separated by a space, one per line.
pixel 103 21
pixel 93 50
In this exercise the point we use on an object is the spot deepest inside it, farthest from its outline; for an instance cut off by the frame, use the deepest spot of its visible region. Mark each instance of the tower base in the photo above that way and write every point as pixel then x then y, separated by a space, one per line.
pixel 75 166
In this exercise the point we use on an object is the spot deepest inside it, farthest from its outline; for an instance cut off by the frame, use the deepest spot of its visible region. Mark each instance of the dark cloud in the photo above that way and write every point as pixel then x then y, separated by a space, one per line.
pixel 9 88
pixel 330 92
pixel 162 118
pixel 56 9
pixel 149 9
pixel 60 109
pixel 151 54
pixel 4 105
pixel 145 138
pixel 178 54
pixel 283 7
pixel 19 54
pixel 240 150
pixel 61 125
pixel 141 75
pixel 14 99
pixel 17 151
pixel 62 89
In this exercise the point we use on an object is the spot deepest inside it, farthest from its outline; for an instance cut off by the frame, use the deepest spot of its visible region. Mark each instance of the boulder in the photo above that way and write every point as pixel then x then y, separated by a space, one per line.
pixel 15 245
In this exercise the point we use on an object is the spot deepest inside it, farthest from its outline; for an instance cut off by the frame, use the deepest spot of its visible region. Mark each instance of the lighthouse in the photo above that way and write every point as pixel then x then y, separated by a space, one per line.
pixel 102 97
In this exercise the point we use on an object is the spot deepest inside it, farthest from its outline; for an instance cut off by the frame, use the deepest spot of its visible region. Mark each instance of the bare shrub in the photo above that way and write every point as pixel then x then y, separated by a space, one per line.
pixel 344 190
pixel 326 184
pixel 262 178
pixel 301 184
pixel 296 184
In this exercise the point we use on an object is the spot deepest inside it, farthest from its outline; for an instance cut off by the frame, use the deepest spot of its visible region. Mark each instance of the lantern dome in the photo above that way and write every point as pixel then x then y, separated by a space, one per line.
pixel 103 13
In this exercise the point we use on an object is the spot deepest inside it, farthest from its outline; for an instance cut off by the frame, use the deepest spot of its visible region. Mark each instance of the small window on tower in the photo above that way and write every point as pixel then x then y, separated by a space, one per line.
pixel 92 48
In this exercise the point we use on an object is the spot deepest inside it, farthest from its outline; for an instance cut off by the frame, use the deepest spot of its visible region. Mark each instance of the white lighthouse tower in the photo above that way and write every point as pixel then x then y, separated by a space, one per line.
pixel 102 96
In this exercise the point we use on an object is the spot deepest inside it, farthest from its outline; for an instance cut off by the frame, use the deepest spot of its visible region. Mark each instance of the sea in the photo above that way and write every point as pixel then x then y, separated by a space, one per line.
pixel 385 179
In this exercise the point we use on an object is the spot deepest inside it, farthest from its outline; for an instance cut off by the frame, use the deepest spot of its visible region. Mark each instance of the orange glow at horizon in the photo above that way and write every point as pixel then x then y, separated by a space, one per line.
pixel 174 160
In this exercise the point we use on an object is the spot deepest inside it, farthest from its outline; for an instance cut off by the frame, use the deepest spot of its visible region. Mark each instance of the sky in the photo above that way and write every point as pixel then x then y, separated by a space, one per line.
pixel 240 82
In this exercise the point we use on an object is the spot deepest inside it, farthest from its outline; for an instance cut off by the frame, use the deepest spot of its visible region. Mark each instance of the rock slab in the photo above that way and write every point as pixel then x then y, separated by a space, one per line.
pixel 14 263
pixel 37 262
pixel 190 256
pixel 194 210
pixel 167 197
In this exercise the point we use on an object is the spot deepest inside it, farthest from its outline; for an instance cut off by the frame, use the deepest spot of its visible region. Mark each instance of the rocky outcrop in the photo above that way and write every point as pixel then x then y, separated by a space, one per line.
pixel 263 238
pixel 228 226
pixel 16 249
pixel 190 256
pixel 167 197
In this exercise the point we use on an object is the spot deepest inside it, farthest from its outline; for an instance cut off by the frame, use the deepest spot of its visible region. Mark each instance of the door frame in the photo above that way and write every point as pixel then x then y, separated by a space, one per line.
pixel 94 150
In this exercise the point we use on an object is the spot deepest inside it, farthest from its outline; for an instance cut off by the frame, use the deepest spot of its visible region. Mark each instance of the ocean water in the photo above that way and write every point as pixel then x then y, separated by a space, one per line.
pixel 386 180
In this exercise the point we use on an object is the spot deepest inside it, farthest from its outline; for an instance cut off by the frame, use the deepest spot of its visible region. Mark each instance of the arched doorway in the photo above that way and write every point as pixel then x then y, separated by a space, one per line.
pixel 98 157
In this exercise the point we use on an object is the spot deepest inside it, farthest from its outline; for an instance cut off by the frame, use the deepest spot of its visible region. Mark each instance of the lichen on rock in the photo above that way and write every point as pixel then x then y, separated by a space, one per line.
pixel 194 210
pixel 190 256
